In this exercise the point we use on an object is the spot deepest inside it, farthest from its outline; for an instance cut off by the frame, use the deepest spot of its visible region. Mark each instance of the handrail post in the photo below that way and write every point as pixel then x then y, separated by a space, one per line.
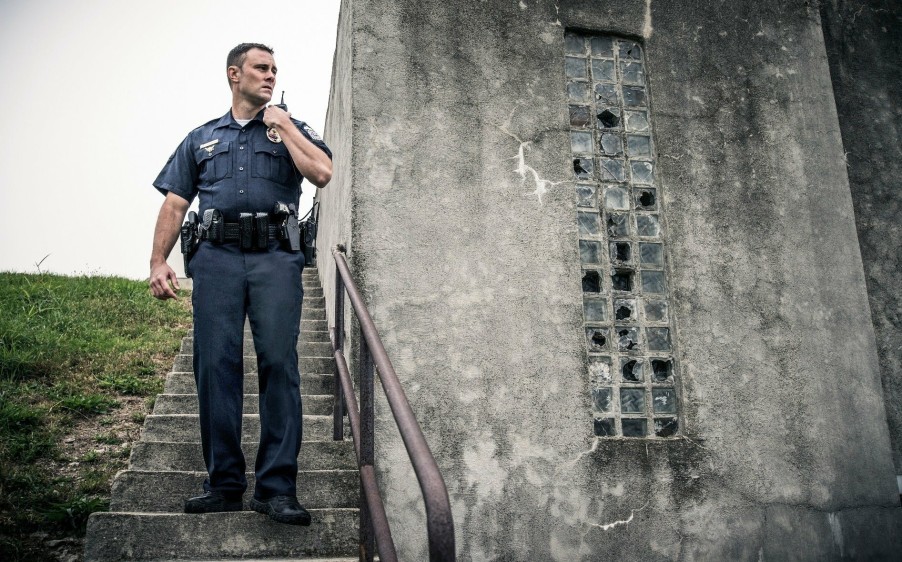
pixel 338 401
pixel 367 443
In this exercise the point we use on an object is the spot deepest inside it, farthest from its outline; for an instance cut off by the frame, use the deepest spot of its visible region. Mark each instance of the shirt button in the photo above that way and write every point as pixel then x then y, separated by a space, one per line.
pixel 240 148
pixel 240 191
pixel 241 168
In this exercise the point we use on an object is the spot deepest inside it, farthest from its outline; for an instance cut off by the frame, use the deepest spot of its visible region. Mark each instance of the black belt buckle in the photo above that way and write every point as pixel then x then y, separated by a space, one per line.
pixel 261 224
pixel 246 231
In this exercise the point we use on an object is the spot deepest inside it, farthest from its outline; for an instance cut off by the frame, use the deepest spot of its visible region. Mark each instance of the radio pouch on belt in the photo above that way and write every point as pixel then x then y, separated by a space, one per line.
pixel 261 229
pixel 246 231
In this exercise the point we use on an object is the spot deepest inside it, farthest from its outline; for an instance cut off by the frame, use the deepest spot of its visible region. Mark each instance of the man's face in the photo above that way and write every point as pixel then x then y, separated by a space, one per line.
pixel 256 77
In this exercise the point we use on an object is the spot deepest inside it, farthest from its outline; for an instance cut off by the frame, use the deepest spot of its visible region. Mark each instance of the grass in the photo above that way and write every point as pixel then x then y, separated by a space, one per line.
pixel 72 349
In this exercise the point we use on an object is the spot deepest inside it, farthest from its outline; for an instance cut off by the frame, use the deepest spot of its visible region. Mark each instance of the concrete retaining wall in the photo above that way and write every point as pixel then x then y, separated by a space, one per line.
pixel 459 207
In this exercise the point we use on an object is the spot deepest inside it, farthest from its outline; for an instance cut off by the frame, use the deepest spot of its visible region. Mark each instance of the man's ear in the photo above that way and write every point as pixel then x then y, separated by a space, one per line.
pixel 232 72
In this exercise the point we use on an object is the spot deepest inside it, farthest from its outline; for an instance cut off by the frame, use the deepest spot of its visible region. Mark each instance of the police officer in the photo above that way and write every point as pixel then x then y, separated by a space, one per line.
pixel 243 162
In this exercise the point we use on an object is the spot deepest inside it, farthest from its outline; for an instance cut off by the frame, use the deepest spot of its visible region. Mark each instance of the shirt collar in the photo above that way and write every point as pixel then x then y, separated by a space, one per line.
pixel 227 120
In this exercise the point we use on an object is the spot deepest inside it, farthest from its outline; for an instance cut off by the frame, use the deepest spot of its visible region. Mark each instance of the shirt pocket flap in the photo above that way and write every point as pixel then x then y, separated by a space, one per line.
pixel 211 151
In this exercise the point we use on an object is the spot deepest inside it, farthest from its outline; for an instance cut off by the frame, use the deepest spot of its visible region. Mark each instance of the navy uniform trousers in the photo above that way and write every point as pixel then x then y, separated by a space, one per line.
pixel 266 288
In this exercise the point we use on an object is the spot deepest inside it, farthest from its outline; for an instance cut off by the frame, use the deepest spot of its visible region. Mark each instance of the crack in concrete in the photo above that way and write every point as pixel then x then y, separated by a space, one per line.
pixel 612 524
pixel 523 168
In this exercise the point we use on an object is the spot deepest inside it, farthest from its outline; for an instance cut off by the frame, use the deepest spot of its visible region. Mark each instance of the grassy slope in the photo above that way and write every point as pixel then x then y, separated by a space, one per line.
pixel 73 350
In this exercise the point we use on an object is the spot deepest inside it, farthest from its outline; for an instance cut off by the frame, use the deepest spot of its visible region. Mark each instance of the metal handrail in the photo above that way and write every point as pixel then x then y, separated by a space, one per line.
pixel 374 528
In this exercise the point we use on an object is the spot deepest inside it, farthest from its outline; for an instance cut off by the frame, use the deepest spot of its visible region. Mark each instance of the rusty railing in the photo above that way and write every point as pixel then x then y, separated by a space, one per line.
pixel 374 529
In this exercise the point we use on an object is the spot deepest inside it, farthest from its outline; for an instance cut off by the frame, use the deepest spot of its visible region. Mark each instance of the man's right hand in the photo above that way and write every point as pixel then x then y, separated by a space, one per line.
pixel 163 282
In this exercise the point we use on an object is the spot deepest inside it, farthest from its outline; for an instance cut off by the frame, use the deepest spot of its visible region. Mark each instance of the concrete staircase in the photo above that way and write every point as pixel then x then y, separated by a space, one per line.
pixel 145 521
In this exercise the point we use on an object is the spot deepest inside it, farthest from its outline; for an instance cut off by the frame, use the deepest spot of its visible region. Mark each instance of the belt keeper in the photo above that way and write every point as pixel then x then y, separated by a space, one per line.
pixel 261 223
pixel 246 231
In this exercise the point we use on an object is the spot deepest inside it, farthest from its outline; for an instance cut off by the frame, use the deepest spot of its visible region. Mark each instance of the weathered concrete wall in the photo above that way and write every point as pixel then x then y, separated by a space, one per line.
pixel 864 46
pixel 336 199
pixel 464 237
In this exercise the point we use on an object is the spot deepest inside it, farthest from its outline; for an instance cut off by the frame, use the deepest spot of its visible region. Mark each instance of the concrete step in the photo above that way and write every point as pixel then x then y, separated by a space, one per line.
pixel 164 491
pixel 116 536
pixel 164 455
pixel 184 363
pixel 185 428
pixel 306 346
pixel 307 325
pixel 305 336
pixel 311 384
pixel 316 405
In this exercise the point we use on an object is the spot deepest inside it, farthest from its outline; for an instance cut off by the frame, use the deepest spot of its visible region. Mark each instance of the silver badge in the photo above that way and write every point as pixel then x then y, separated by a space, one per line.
pixel 273 135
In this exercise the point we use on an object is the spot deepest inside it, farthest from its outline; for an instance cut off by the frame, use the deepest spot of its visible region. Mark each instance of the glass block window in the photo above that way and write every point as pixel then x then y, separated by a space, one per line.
pixel 621 239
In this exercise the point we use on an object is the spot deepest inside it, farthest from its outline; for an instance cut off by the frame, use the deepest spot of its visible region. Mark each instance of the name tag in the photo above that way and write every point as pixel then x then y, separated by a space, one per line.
pixel 208 146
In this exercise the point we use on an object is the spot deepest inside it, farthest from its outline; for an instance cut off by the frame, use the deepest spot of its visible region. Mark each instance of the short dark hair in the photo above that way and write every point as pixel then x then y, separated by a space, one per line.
pixel 238 54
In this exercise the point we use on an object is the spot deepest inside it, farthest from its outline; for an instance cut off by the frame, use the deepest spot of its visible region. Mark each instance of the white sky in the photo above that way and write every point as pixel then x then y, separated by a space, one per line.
pixel 99 93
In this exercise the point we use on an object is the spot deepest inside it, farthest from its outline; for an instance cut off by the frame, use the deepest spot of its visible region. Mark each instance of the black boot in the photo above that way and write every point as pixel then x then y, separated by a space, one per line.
pixel 284 509
pixel 212 502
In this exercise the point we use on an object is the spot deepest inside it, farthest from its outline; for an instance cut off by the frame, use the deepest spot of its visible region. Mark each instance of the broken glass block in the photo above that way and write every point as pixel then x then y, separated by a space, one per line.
pixel 625 309
pixel 648 225
pixel 603 70
pixel 661 370
pixel 630 50
pixel 579 116
pixel 606 94
pixel 604 427
pixel 632 370
pixel 595 310
pixel 663 400
pixel 600 370
pixel 643 172
pixel 633 96
pixel 581 141
pixel 583 168
pixel 627 338
pixel 575 67
pixel 636 121
pixel 589 251
pixel 656 311
pixel 632 400
pixel 658 339
pixel 638 146
pixel 611 169
pixel 653 282
pixel 616 198
pixel 618 225
pixel 609 118
pixel 632 72
pixel 611 144
pixel 646 198
pixel 634 427
pixel 621 280
pixel 601 399
pixel 578 91
pixel 591 282
pixel 574 44
pixel 651 254
pixel 621 252
pixel 601 46
pixel 597 339
pixel 585 195
pixel 588 223
pixel 665 427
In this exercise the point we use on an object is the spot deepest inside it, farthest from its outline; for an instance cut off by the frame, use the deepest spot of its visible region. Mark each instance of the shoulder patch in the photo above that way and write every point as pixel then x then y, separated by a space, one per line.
pixel 313 134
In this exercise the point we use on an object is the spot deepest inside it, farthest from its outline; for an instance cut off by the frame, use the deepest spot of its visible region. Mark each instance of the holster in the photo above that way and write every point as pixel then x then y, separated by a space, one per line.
pixel 188 234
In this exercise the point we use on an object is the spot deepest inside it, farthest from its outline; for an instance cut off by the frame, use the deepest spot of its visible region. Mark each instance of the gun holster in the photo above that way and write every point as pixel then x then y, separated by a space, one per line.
pixel 188 234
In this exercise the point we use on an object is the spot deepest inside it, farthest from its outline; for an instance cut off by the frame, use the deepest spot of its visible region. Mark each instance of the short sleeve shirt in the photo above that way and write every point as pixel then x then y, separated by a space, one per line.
pixel 235 169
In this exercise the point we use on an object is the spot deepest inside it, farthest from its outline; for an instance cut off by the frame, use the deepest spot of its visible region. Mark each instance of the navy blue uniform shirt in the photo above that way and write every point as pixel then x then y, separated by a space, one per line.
pixel 235 169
